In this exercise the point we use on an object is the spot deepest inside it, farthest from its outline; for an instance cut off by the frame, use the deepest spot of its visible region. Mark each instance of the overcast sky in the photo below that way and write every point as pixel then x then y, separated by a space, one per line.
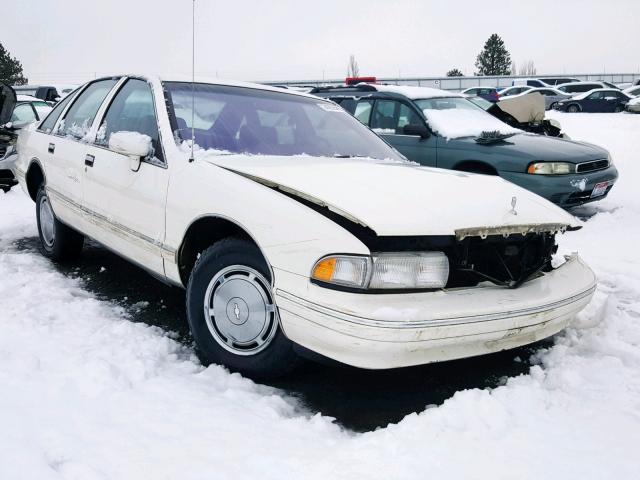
pixel 73 40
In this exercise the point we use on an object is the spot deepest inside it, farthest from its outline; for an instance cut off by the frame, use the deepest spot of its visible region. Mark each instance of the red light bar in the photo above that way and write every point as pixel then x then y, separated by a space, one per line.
pixel 356 80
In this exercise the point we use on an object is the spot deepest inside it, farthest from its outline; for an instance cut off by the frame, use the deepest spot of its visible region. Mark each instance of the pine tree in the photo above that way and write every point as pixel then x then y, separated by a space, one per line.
pixel 454 72
pixel 494 59
pixel 10 69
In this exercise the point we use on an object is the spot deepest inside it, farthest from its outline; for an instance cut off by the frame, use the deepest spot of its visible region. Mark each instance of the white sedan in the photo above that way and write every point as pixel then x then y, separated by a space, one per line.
pixel 294 228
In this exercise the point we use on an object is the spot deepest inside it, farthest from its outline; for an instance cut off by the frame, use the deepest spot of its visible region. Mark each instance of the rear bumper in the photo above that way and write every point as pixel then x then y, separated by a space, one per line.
pixel 565 190
pixel 398 330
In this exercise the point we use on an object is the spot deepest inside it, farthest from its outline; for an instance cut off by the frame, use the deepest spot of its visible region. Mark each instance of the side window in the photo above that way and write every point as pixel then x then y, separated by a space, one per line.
pixel 23 114
pixel 349 104
pixel 132 110
pixel 407 116
pixel 363 111
pixel 52 118
pixel 384 118
pixel 77 122
pixel 595 96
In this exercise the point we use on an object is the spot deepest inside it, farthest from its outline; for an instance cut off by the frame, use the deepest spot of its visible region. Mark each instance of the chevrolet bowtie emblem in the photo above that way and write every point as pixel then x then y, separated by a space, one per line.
pixel 514 200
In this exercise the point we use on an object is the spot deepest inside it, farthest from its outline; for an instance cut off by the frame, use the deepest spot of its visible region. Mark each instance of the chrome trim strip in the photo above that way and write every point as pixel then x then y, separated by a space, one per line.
pixel 429 323
pixel 167 252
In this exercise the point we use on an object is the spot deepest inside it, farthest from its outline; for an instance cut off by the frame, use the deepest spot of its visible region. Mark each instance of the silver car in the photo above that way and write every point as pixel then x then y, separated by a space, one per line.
pixel 551 96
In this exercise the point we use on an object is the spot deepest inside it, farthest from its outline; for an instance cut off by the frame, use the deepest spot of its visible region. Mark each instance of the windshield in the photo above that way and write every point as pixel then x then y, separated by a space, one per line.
pixel 455 117
pixel 245 120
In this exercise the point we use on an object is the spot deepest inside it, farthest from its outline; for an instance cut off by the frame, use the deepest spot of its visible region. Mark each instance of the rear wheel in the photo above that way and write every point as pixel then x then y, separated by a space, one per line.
pixel 553 105
pixel 57 241
pixel 232 313
pixel 618 109
pixel 573 108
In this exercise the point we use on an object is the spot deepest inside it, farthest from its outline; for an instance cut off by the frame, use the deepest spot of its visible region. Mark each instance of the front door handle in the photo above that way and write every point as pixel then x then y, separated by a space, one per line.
pixel 52 148
pixel 88 160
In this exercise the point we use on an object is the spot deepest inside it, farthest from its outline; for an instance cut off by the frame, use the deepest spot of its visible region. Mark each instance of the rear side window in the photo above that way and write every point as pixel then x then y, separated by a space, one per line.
pixel 77 122
pixel 131 110
pixel 52 118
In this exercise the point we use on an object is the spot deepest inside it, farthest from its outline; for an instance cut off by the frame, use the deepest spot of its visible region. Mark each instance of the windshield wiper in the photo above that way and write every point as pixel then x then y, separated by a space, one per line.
pixel 493 137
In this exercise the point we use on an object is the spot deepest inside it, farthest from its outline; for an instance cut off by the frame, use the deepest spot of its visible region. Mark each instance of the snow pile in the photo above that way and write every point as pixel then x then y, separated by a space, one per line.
pixel 459 122
pixel 88 394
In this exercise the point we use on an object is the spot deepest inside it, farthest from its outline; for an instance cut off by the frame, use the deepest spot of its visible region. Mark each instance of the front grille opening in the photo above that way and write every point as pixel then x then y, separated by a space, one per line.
pixel 508 261
pixel 592 166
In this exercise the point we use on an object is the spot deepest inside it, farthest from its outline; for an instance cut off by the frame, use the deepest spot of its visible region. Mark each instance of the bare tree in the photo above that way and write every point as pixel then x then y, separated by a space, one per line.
pixel 528 68
pixel 353 70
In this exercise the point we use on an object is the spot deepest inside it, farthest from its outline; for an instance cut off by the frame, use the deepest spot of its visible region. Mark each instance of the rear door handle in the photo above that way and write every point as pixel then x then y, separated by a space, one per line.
pixel 88 160
pixel 52 148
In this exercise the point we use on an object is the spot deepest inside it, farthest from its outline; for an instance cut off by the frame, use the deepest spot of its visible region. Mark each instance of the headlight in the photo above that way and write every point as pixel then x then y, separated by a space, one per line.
pixel 551 168
pixel 407 271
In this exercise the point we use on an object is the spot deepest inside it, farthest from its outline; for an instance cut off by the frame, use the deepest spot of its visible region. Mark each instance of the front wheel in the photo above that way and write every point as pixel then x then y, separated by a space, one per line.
pixel 573 109
pixel 618 109
pixel 232 313
pixel 57 241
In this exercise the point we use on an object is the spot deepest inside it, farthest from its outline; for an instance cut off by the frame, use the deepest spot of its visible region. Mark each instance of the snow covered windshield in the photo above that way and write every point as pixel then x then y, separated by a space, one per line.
pixel 455 117
pixel 230 119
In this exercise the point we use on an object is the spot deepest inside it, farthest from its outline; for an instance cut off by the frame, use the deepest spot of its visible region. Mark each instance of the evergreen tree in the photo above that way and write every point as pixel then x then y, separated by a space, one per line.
pixel 494 59
pixel 454 72
pixel 10 69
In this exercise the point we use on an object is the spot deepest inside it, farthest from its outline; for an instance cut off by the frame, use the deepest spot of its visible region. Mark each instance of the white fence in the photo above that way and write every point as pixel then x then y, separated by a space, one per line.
pixel 460 83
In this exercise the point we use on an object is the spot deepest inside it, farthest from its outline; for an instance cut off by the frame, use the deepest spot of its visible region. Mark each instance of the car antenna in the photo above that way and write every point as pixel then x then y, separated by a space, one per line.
pixel 193 74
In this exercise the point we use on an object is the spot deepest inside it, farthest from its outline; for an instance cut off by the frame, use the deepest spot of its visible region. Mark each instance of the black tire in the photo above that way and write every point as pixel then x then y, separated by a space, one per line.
pixel 573 108
pixel 276 356
pixel 65 244
pixel 618 109
pixel 553 105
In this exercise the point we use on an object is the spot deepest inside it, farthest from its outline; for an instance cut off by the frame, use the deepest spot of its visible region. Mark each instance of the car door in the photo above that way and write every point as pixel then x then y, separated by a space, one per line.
pixel 593 102
pixel 65 150
pixel 125 207
pixel 389 119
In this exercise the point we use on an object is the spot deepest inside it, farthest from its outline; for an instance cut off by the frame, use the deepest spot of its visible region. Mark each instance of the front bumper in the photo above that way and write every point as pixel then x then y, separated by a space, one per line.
pixel 380 331
pixel 565 190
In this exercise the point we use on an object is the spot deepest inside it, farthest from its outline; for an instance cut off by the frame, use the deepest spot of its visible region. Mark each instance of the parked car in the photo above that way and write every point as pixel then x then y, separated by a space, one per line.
pixel 294 228
pixel 20 111
pixel 488 93
pixel 551 96
pixel 532 82
pixel 599 100
pixel 580 87
pixel 558 80
pixel 446 130
pixel 632 91
pixel 509 91
pixel 634 105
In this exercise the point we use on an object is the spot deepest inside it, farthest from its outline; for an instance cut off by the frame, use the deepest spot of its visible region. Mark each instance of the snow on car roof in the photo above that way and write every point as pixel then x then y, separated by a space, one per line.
pixel 27 98
pixel 414 92
pixel 595 82
pixel 586 94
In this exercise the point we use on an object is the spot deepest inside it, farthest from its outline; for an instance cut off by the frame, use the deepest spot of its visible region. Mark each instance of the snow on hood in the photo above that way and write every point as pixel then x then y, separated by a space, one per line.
pixel 402 199
pixel 457 122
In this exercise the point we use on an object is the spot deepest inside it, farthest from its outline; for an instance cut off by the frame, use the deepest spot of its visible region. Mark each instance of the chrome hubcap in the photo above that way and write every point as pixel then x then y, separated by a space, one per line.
pixel 47 222
pixel 240 311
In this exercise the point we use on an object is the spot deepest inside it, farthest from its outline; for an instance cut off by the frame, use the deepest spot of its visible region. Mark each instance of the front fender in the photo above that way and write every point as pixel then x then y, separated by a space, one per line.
pixel 291 236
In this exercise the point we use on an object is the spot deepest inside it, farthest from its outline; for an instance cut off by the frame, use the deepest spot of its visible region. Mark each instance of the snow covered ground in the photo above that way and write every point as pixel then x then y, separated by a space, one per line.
pixel 87 394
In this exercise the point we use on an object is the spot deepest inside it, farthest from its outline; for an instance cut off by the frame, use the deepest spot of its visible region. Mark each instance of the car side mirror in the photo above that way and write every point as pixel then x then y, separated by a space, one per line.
pixel 133 144
pixel 416 129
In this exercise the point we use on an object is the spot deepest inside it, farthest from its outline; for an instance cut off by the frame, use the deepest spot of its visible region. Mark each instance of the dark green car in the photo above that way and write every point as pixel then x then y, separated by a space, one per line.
pixel 442 129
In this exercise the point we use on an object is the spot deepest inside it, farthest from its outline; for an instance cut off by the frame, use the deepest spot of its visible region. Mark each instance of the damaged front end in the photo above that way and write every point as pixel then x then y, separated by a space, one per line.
pixel 499 256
